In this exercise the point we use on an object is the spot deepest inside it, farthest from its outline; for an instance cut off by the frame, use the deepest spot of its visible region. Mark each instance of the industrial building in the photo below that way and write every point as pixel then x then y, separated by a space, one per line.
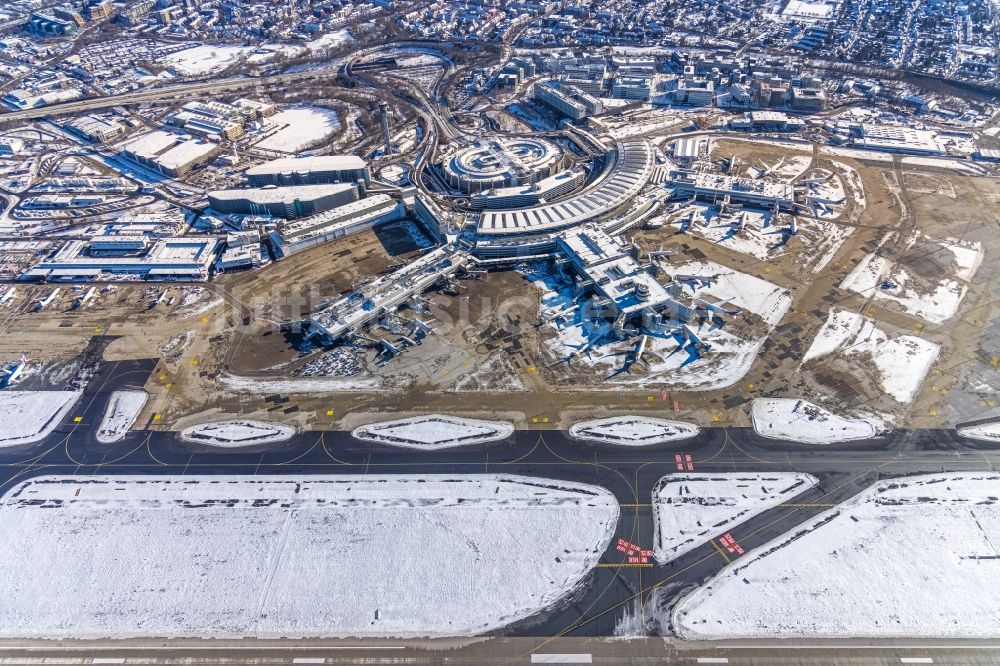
pixel 178 258
pixel 895 139
pixel 338 222
pixel 10 146
pixel 170 154
pixel 96 128
pixel 289 202
pixel 310 171
pixel 767 121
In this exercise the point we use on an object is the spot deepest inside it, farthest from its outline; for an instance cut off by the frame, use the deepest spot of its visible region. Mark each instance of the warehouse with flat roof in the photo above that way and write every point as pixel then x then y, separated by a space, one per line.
pixel 313 170
pixel 289 202
pixel 170 154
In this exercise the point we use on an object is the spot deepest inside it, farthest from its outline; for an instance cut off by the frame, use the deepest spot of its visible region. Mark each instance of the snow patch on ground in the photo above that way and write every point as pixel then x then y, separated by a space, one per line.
pixel 434 432
pixel 986 432
pixel 123 409
pixel 304 556
pixel 305 385
pixel 330 40
pixel 238 432
pixel 301 127
pixel 935 300
pixel 691 509
pixel 29 416
pixel 914 557
pixel 802 421
pixel 204 59
pixel 632 430
pixel 901 362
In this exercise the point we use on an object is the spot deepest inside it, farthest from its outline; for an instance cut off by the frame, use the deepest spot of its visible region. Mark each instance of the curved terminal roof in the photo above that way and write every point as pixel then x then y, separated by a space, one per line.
pixel 632 169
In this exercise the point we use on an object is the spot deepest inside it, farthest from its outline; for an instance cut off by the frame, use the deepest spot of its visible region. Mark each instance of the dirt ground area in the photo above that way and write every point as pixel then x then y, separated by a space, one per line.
pixel 231 347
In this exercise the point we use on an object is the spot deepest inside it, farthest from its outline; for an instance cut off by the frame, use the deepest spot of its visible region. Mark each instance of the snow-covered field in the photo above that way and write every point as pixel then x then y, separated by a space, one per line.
pixel 632 430
pixel 300 127
pixel 323 556
pixel 901 362
pixel 691 509
pixel 987 432
pixel 237 432
pixel 28 416
pixel 802 421
pixel 914 557
pixel 434 431
pixel 330 40
pixel 204 59
pixel 935 300
pixel 123 409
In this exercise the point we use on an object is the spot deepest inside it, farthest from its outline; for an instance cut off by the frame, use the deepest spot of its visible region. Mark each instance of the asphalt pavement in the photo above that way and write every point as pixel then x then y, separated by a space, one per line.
pixel 615 587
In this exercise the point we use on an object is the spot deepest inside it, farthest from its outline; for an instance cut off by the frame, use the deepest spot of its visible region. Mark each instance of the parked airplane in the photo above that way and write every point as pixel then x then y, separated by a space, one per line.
pixel 48 300
pixel 13 372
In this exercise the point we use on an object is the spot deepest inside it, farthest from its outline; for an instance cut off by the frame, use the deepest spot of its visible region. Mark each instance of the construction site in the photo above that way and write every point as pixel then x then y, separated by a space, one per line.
pixel 693 311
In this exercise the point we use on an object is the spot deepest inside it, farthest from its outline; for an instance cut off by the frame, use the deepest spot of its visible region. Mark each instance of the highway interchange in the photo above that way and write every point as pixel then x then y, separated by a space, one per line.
pixel 630 473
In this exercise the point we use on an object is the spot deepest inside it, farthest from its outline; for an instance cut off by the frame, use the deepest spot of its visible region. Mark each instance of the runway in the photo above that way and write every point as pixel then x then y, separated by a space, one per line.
pixel 613 588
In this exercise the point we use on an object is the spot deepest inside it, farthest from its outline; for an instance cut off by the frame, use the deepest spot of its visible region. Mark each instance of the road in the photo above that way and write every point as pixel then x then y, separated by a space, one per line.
pixel 613 587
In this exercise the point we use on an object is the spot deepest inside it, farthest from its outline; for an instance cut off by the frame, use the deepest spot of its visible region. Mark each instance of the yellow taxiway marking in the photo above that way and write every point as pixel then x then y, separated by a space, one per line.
pixel 720 551
pixel 804 505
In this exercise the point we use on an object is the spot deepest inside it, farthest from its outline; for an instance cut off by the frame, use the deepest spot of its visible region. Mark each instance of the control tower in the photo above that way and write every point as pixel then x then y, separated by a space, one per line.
pixel 383 121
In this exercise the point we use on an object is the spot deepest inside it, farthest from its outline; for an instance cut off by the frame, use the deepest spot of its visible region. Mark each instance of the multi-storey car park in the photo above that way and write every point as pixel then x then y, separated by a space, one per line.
pixel 501 162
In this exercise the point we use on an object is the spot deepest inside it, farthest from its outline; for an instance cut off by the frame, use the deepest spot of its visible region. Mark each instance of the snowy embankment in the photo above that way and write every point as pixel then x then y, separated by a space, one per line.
pixel 320 556
pixel 237 432
pixel 632 430
pixel 433 432
pixel 802 421
pixel 123 409
pixel 691 509
pixel 913 557
pixel 985 432
pixel 28 416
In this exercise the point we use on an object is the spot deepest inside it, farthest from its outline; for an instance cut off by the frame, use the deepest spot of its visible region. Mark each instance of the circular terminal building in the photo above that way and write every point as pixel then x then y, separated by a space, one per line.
pixel 501 162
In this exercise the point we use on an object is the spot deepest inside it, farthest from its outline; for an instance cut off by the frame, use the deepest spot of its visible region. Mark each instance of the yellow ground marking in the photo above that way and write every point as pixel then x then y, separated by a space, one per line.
pixel 77 419
pixel 720 551
pixel 804 505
